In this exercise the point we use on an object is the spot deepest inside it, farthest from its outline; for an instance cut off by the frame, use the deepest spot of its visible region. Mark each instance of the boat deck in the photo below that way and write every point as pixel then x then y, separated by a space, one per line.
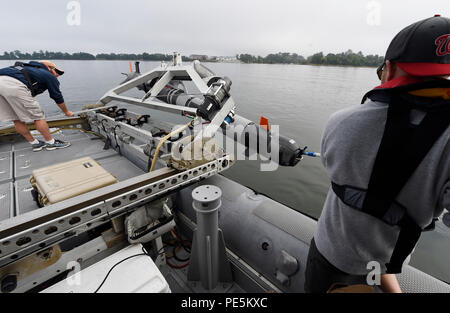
pixel 18 161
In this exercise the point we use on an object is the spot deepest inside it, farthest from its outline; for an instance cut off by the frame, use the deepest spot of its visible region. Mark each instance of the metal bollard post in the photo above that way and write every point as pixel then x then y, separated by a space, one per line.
pixel 209 263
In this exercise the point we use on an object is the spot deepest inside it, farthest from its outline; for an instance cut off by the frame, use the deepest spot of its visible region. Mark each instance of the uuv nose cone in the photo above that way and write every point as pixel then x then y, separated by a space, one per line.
pixel 446 219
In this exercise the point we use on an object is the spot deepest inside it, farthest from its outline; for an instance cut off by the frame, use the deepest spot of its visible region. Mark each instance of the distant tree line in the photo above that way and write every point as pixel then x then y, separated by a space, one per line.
pixel 346 58
pixel 49 55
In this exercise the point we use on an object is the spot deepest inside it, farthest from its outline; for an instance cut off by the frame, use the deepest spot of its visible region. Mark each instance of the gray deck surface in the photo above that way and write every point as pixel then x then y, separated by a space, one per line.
pixel 5 167
pixel 26 160
pixel 5 147
pixel 5 201
pixel 17 164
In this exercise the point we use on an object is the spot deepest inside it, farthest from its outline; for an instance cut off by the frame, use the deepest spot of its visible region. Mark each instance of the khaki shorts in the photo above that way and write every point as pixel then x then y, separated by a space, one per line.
pixel 16 102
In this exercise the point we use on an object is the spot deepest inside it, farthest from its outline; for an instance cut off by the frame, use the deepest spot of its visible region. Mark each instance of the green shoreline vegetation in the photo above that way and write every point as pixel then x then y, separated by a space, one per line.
pixel 49 55
pixel 348 58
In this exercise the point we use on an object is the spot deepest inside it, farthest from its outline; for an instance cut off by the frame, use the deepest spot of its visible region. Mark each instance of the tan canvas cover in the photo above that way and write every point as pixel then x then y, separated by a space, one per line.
pixel 66 180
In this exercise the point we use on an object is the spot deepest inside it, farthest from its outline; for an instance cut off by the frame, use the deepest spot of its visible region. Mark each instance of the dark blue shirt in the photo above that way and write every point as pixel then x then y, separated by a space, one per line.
pixel 44 78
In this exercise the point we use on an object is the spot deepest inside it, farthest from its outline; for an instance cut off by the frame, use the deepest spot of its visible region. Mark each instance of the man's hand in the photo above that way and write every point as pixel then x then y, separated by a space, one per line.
pixel 63 108
pixel 389 284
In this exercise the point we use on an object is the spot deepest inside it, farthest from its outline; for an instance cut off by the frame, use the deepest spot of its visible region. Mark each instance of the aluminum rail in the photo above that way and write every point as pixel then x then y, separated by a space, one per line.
pixel 55 121
pixel 39 229
pixel 109 127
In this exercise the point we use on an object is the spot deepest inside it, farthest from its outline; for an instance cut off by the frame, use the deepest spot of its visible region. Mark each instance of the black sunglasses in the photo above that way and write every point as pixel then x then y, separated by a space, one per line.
pixel 380 70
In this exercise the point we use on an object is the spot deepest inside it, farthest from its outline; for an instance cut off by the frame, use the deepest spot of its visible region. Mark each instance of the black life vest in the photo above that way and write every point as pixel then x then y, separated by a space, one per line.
pixel 403 146
pixel 34 86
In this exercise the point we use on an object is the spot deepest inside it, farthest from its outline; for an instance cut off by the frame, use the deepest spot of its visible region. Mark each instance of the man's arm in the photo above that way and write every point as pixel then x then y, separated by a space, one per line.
pixel 389 283
pixel 52 84
pixel 63 108
pixel 55 93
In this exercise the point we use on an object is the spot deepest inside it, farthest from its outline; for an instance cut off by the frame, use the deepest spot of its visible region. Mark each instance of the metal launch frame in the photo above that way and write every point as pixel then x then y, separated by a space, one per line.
pixel 163 76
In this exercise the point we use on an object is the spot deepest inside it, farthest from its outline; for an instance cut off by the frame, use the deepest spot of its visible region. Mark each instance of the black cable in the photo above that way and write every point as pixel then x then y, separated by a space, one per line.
pixel 159 251
pixel 144 252
pixel 115 137
pixel 109 272
pixel 147 231
pixel 178 258
pixel 186 248
pixel 107 139
pixel 103 125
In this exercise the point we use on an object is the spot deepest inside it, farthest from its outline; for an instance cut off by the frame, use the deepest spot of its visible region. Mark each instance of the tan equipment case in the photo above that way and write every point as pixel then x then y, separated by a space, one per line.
pixel 69 179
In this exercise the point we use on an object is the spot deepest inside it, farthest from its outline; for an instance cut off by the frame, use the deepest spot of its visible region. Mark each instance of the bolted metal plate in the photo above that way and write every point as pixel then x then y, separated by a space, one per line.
pixel 206 193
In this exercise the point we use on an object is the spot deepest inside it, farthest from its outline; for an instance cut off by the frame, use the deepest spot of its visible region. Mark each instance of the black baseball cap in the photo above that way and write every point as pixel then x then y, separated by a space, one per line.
pixel 423 48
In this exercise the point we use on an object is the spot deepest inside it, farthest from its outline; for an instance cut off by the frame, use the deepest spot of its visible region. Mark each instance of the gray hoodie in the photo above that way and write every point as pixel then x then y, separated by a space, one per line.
pixel 349 238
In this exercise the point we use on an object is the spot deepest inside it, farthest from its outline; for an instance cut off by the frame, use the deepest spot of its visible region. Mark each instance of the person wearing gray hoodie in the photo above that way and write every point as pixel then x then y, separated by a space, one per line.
pixel 389 163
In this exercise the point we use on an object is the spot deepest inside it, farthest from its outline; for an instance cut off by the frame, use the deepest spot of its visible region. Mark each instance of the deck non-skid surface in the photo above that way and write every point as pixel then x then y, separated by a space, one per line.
pixel 5 167
pixel 6 205
pixel 26 160
pixel 16 167
pixel 67 135
pixel 5 147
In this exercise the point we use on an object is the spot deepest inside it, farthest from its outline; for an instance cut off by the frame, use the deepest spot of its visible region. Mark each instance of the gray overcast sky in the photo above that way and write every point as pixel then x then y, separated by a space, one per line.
pixel 211 27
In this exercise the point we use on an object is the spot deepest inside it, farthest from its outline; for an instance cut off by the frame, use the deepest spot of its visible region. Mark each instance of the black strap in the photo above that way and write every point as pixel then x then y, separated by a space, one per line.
pixel 402 149
pixel 339 191
pixel 409 235
pixel 31 81
pixel 22 64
